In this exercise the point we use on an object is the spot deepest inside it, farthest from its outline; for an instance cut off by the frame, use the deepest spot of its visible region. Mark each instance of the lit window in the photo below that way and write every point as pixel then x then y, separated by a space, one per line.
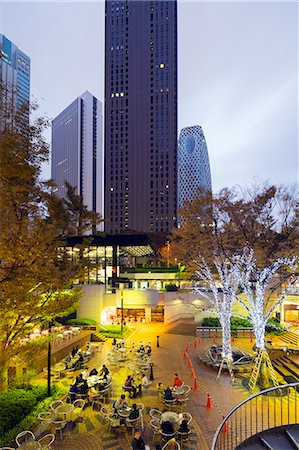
pixel 122 94
pixel 111 189
pixel 162 66
pixel 117 94
pixel 112 95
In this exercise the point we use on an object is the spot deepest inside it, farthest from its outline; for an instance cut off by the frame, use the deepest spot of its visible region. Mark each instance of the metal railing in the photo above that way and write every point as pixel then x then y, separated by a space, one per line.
pixel 270 408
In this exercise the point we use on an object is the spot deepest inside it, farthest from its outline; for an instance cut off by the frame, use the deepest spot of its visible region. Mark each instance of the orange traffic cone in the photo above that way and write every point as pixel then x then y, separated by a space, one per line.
pixel 186 348
pixel 233 339
pixel 214 338
pixel 192 374
pixel 209 402
pixel 198 339
pixel 195 388
pixel 194 344
pixel 224 428
pixel 189 362
pixel 185 354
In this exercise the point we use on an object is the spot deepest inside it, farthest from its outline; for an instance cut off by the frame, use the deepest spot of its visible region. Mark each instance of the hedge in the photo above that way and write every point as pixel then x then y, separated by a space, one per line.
pixel 20 408
pixel 82 321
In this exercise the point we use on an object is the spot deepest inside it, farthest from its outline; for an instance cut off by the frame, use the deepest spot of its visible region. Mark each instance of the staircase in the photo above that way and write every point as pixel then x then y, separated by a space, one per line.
pixel 98 337
pixel 281 438
pixel 290 338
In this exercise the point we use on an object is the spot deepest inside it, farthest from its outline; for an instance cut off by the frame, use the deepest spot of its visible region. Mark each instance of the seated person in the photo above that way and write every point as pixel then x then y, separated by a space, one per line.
pixel 73 391
pixel 93 372
pixel 120 403
pixel 128 386
pixel 184 427
pixel 168 394
pixel 177 381
pixel 144 381
pixel 92 393
pixel 160 389
pixel 167 427
pixel 83 388
pixel 134 414
pixel 85 374
pixel 79 379
pixel 104 372
pixel 74 351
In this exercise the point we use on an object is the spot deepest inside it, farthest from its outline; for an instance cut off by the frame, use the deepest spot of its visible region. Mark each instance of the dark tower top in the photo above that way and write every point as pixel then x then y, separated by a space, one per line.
pixel 141 115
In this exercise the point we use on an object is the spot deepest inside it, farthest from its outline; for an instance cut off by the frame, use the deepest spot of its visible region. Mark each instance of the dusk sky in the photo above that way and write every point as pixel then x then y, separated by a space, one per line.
pixel 238 76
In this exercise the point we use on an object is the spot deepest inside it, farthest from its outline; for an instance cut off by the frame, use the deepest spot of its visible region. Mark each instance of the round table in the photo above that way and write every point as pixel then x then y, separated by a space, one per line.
pixel 30 445
pixel 170 416
pixel 124 412
pixel 178 390
pixel 58 368
pixel 64 409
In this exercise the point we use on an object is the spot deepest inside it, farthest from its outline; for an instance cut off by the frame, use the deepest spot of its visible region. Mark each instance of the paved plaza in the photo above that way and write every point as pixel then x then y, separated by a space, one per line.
pixel 92 432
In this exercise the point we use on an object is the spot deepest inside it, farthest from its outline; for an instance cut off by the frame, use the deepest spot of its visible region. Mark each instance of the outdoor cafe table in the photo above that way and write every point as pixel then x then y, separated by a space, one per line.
pixel 64 409
pixel 170 416
pixel 30 445
pixel 58 368
pixel 178 390
pixel 124 412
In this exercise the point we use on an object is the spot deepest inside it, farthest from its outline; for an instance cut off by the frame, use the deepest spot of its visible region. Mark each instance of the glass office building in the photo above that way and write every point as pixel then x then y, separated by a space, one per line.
pixel 15 70
pixel 77 151
pixel 193 164
pixel 141 116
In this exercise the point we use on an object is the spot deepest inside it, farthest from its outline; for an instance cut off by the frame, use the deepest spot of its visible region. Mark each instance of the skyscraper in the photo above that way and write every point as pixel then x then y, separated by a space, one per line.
pixel 141 115
pixel 15 70
pixel 193 164
pixel 77 155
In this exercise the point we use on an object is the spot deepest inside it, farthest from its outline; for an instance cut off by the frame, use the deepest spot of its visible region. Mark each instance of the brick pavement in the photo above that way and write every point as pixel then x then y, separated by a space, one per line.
pixel 92 432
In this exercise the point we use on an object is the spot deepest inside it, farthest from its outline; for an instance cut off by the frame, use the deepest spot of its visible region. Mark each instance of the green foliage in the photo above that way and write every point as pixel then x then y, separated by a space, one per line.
pixel 211 322
pixel 112 331
pixel 274 327
pixel 20 408
pixel 171 287
pixel 236 322
pixel 82 321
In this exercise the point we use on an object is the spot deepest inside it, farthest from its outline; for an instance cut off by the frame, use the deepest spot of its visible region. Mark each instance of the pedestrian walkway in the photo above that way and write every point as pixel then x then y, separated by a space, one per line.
pixel 92 432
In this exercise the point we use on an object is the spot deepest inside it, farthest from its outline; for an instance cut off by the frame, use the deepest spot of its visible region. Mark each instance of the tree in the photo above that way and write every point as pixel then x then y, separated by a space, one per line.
pixel 259 286
pixel 263 217
pixel 228 275
pixel 35 277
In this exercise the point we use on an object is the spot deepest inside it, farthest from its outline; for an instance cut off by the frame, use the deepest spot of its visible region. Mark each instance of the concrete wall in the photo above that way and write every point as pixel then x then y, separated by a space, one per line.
pixel 91 301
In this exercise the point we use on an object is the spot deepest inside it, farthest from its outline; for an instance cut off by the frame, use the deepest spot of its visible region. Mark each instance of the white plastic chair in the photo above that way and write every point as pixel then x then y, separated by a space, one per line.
pixel 187 416
pixel 155 414
pixel 78 407
pixel 156 426
pixel 24 436
pixel 55 404
pixel 166 445
pixel 46 441
pixel 59 425
pixel 132 423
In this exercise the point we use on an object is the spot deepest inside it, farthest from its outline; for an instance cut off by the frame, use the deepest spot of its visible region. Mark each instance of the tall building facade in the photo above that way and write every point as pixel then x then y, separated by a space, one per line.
pixel 77 151
pixel 140 115
pixel 193 164
pixel 15 70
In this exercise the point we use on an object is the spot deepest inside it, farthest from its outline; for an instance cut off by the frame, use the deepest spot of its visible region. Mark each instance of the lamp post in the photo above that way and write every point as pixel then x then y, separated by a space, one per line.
pixel 49 361
pixel 121 288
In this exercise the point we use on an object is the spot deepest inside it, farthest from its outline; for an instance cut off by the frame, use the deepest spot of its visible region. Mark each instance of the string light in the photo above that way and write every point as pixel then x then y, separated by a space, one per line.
pixel 256 292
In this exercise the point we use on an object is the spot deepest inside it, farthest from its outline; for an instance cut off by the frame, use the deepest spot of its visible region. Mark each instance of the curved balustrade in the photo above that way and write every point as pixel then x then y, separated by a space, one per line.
pixel 270 408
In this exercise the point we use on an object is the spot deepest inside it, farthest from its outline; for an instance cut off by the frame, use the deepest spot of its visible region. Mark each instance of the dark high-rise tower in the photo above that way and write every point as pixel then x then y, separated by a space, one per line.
pixel 141 115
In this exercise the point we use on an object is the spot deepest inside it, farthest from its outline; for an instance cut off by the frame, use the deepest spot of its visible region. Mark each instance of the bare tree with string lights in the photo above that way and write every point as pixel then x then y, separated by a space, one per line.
pixel 228 275
pixel 258 287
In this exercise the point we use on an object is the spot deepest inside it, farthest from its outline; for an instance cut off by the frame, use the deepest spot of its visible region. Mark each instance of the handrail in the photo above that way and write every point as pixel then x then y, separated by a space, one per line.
pixel 223 424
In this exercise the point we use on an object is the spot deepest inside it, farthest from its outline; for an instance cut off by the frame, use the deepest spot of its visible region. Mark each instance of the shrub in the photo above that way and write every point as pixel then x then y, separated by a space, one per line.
pixel 171 287
pixel 82 321
pixel 211 322
pixel 16 415
pixel 112 331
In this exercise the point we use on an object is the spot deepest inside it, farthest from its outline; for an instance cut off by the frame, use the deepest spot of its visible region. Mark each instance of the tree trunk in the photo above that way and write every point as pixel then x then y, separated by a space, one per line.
pixel 259 329
pixel 3 372
pixel 226 336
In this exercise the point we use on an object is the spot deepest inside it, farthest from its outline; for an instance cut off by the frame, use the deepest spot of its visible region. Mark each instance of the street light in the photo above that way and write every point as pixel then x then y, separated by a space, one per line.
pixel 121 288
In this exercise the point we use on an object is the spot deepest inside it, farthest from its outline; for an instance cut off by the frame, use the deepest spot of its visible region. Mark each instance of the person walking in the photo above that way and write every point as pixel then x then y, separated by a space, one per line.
pixel 138 442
